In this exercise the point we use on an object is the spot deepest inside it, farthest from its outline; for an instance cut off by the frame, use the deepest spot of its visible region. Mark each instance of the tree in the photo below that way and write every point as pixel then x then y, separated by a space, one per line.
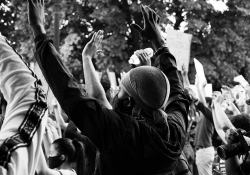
pixel 220 39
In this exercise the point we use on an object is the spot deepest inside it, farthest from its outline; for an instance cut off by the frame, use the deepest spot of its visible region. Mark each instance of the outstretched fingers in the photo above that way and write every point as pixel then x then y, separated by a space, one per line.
pixel 98 37
pixel 93 38
pixel 154 17
pixel 144 14
pixel 42 2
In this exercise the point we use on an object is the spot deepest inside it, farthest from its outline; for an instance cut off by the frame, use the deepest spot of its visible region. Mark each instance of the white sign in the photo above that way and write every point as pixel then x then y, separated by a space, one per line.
pixel 208 90
pixel 112 79
pixel 179 45
pixel 240 79
pixel 200 71
pixel 99 75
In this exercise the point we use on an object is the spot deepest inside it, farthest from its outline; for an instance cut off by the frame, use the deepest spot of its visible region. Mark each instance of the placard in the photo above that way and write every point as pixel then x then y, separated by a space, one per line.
pixel 240 79
pixel 179 45
pixel 208 90
pixel 200 71
pixel 112 79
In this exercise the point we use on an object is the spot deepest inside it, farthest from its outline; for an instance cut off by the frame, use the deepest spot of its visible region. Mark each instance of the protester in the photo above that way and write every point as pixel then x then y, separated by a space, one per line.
pixel 63 154
pixel 96 90
pixel 239 165
pixel 91 153
pixel 25 116
pixel 228 133
pixel 140 144
pixel 203 138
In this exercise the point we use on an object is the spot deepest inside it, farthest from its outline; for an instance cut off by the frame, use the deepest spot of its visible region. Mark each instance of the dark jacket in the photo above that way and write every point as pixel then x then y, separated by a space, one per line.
pixel 126 145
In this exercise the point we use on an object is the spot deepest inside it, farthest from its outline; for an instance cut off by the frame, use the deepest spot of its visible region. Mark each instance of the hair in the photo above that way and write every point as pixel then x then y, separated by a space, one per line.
pixel 241 121
pixel 74 151
pixel 209 101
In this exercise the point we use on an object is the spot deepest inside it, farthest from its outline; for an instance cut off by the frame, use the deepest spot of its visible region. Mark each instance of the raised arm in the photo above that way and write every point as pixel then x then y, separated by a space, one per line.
pixel 89 115
pixel 93 84
pixel 58 114
pixel 165 61
pixel 221 121
pixel 200 90
pixel 184 72
pixel 205 111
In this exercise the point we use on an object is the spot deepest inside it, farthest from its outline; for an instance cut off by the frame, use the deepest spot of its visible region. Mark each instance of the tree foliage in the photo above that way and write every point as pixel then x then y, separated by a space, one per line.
pixel 220 39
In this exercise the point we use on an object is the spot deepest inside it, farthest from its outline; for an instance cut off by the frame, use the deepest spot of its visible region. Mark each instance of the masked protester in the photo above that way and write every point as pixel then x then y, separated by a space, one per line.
pixel 65 156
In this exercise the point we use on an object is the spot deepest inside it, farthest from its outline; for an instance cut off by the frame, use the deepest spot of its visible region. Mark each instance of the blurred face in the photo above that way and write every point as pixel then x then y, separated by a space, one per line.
pixel 55 160
pixel 121 102
pixel 52 151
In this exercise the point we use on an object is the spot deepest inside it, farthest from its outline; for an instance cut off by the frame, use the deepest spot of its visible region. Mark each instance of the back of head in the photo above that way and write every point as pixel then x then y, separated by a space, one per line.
pixel 241 121
pixel 74 151
pixel 148 86
pixel 209 101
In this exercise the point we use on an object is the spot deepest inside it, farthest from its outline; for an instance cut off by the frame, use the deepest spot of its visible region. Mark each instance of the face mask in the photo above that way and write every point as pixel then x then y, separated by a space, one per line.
pixel 55 162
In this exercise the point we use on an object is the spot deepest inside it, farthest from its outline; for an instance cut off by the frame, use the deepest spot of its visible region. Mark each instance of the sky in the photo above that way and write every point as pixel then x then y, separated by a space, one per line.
pixel 218 5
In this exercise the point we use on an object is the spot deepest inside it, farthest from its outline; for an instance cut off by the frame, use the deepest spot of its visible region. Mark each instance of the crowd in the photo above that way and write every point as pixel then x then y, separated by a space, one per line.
pixel 156 123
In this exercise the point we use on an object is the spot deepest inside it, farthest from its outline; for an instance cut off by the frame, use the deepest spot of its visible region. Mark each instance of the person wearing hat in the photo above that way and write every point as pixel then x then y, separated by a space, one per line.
pixel 150 140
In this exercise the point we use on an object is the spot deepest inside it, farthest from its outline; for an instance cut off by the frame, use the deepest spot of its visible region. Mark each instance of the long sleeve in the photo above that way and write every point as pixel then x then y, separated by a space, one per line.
pixel 205 111
pixel 98 123
pixel 177 103
pixel 26 115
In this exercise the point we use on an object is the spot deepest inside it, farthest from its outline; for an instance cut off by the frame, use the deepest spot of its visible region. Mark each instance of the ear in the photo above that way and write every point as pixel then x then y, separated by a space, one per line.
pixel 63 157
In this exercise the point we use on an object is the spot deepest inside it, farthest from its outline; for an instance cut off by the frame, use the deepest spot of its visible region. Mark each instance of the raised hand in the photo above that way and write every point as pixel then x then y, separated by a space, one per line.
pixel 227 92
pixel 151 30
pixel 91 47
pixel 184 70
pixel 144 58
pixel 232 135
pixel 192 94
pixel 217 97
pixel 36 16
pixel 122 74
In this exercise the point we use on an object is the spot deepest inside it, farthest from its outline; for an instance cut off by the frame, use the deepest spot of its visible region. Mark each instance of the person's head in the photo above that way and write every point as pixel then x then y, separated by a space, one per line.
pixel 65 152
pixel 209 101
pixel 148 87
pixel 241 121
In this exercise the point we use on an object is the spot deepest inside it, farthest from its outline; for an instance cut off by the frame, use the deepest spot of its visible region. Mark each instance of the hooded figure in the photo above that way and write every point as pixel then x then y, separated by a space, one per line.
pixel 149 87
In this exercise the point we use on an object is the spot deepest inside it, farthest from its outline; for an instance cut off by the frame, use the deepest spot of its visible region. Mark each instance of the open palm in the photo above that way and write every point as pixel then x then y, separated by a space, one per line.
pixel 92 46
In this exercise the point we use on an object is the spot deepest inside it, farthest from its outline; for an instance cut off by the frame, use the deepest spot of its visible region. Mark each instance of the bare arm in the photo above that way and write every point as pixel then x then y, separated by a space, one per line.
pixel 232 165
pixel 58 113
pixel 200 90
pixel 218 128
pixel 186 82
pixel 93 84
pixel 221 121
